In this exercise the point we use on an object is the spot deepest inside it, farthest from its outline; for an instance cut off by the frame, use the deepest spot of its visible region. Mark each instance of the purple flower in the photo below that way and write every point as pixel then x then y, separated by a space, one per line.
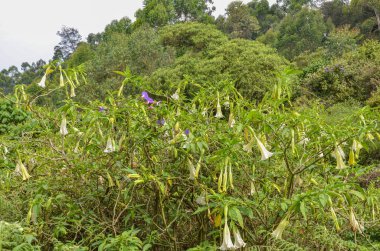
pixel 327 69
pixel 101 109
pixel 187 132
pixel 161 122
pixel 148 99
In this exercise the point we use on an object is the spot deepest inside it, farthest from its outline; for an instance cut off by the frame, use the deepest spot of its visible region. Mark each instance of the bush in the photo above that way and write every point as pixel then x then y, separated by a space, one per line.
pixel 186 172
pixel 355 75
pixel 251 65
pixel 10 115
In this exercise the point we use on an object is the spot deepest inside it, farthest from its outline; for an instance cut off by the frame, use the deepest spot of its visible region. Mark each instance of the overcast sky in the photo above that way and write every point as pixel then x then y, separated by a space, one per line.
pixel 28 27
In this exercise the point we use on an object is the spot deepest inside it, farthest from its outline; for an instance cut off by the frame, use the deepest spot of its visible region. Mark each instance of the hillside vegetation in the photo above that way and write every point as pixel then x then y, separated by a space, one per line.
pixel 257 130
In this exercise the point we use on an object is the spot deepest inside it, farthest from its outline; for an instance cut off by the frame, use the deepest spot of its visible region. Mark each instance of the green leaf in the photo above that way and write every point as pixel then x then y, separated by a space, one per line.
pixel 200 210
pixel 235 214
pixel 303 209
pixel 357 194
pixel 323 198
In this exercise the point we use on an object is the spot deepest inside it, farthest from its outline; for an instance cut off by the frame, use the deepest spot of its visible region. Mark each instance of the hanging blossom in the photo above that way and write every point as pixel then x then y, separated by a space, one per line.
pixel 201 199
pixel 42 82
pixel 355 226
pixel 253 189
pixel 191 170
pixel 304 140
pixel 351 158
pixel 370 137
pixel 63 129
pixel 21 169
pixel 227 241
pixel 339 158
pixel 148 99
pixel 175 96
pixel 239 243
pixel 356 147
pixel 231 120
pixel 110 147
pixel 277 233
pixel 61 81
pixel 227 102
pixel 335 219
pixel 265 154
pixel 6 151
pixel 341 152
pixel 219 113
pixel 72 90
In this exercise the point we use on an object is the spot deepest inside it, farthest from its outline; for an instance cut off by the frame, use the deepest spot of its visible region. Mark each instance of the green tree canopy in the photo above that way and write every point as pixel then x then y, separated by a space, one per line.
pixel 301 32
pixel 251 65
pixel 70 38
pixel 240 23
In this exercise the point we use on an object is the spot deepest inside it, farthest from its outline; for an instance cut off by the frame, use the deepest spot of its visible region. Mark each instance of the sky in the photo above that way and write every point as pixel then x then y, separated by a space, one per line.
pixel 28 27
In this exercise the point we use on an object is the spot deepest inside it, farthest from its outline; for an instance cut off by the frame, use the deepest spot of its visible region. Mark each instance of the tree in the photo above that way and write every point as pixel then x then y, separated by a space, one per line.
pixel 82 54
pixel 70 38
pixel 193 10
pixel 336 11
pixel 301 32
pixel 240 23
pixel 94 39
pixel 251 65
pixel 192 37
pixel 267 16
pixel 156 13
pixel 374 5
pixel 124 25
pixel 293 6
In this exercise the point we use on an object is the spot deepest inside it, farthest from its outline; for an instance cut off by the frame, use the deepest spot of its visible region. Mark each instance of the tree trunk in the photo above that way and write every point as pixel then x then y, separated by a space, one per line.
pixel 377 18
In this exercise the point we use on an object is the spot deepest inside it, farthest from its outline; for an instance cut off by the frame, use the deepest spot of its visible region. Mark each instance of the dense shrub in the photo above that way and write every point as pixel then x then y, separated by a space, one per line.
pixel 251 65
pixel 173 173
pixel 10 115
pixel 356 75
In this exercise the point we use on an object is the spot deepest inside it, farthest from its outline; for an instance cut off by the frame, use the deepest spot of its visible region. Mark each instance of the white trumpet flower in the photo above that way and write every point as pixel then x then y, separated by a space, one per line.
pixel 201 200
pixel 356 147
pixel 304 139
pixel 277 233
pixel 63 129
pixel 231 120
pixel 192 170
pixel 339 159
pixel 110 146
pixel 253 189
pixel 239 243
pixel 72 91
pixel 265 154
pixel 227 241
pixel 21 169
pixel 175 96
pixel 341 152
pixel 42 82
pixel 219 113
pixel 355 226
pixel 61 81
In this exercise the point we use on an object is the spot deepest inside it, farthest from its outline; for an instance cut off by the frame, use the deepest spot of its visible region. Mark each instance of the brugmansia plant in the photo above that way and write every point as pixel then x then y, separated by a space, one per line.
pixel 199 170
